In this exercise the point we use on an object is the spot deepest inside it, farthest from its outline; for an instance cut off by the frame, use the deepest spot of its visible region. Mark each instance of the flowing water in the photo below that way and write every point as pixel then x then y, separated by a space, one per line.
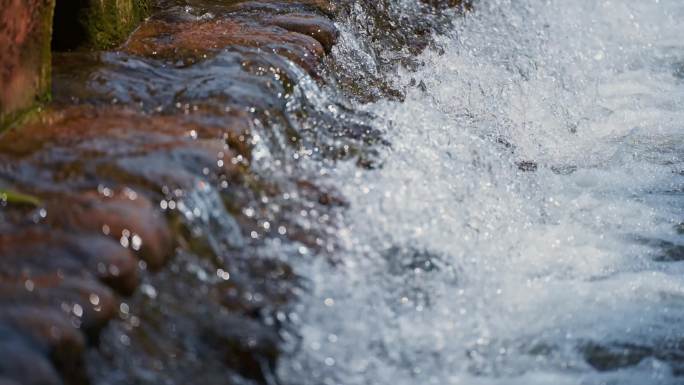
pixel 524 224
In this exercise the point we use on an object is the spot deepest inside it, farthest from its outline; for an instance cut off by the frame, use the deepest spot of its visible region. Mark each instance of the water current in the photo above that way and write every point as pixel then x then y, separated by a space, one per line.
pixel 524 224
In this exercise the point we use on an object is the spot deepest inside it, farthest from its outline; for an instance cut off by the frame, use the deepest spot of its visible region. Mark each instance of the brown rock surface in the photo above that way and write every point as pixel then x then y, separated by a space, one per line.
pixel 320 28
pixel 193 41
pixel 25 28
pixel 109 181
pixel 128 218
pixel 96 24
pixel 85 147
pixel 89 304
pixel 36 253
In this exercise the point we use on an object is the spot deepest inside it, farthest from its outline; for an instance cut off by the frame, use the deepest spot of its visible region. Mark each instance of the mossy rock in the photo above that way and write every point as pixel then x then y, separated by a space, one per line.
pixel 25 29
pixel 96 24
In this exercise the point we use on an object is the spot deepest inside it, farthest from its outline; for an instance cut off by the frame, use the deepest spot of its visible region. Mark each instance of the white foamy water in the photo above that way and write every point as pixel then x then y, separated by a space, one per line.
pixel 461 268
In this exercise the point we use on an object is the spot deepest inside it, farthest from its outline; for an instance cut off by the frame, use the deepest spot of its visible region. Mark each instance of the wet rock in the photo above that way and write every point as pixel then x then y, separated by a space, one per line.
pixel 53 333
pixel 25 27
pixel 125 216
pixel 324 196
pixel 394 33
pixel 665 251
pixel 87 148
pixel 216 91
pixel 236 79
pixel 605 358
pixel 527 165
pixel 447 3
pixel 252 86
pixel 326 7
pixel 190 42
pixel 679 228
pixel 670 252
pixel 199 84
pixel 89 304
pixel 271 279
pixel 22 363
pixel 678 71
pixel 201 323
pixel 244 344
pixel 96 24
pixel 50 329
pixel 320 28
pixel 619 355
pixel 36 253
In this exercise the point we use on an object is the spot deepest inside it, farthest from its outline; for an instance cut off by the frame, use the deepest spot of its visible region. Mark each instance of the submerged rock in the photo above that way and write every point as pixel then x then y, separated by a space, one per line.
pixel 620 355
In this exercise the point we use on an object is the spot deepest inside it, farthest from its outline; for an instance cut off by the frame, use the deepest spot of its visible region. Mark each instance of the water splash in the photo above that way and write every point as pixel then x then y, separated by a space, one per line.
pixel 205 214
pixel 518 230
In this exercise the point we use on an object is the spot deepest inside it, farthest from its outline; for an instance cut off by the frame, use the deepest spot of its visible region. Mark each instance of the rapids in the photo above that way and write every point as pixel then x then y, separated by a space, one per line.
pixel 524 224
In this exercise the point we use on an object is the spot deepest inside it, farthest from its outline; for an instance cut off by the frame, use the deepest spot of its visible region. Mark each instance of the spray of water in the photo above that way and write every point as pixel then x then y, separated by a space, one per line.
pixel 524 227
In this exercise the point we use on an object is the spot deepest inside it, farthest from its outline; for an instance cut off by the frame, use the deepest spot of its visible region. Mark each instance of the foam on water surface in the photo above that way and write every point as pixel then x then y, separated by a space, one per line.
pixel 524 227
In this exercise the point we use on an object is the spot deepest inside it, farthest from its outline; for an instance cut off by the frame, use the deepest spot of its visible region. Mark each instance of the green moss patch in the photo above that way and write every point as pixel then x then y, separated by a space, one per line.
pixel 17 198
pixel 96 24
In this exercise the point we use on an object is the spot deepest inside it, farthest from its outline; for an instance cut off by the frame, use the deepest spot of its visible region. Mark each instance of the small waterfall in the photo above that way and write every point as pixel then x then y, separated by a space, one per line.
pixel 524 226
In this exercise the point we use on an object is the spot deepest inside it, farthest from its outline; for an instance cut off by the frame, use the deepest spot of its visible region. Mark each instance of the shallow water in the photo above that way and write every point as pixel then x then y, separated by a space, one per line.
pixel 524 227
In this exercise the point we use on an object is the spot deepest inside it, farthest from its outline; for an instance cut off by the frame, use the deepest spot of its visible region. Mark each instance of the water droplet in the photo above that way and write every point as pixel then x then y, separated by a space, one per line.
pixel 77 310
